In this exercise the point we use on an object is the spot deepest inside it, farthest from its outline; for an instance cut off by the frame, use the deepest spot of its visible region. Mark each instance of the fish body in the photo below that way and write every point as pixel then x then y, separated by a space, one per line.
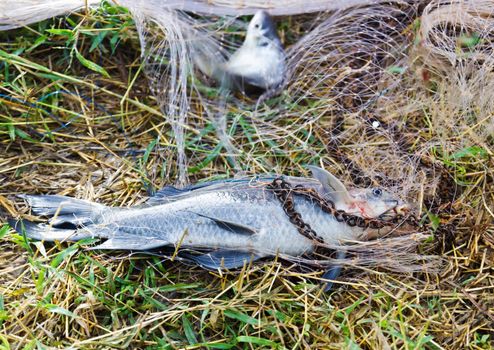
pixel 250 219
pixel 238 215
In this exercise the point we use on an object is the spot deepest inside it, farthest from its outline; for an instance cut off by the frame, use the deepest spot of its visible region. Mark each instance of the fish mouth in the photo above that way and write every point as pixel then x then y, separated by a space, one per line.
pixel 398 209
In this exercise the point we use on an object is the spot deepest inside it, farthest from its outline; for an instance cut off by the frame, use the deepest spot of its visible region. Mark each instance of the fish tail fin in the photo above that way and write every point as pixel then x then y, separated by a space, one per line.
pixel 14 13
pixel 65 210
pixel 44 232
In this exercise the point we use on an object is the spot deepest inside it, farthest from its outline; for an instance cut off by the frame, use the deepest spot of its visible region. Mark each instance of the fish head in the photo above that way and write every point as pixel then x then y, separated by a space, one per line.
pixel 261 27
pixel 376 203
pixel 367 203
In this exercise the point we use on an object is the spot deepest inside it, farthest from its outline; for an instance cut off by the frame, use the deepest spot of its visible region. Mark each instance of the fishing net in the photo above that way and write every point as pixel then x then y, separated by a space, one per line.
pixel 446 90
pixel 340 62
pixel 456 58
pixel 373 89
pixel 339 65
pixel 397 94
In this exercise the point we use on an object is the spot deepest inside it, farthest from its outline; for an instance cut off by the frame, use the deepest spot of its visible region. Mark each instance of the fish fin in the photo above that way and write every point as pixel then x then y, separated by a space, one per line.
pixel 230 226
pixel 169 193
pixel 223 259
pixel 331 184
pixel 333 272
pixel 72 221
pixel 44 232
pixel 64 209
pixel 130 242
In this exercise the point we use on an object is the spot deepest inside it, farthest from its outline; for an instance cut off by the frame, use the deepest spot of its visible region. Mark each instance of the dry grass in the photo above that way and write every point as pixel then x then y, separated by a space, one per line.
pixel 69 130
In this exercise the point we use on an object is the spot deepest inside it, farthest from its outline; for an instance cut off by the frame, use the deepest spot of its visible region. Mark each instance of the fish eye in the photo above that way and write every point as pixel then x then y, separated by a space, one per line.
pixel 256 26
pixel 377 192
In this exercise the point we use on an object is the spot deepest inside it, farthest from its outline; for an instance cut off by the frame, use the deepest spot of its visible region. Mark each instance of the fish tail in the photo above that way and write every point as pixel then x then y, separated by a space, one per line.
pixel 62 209
pixel 68 218
pixel 44 232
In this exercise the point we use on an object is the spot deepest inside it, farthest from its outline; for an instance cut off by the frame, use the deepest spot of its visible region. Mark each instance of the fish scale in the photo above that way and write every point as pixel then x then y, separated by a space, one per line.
pixel 170 221
pixel 235 220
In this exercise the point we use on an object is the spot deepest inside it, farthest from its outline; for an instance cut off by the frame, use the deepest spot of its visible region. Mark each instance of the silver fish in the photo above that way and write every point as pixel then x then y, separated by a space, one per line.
pixel 236 220
pixel 258 64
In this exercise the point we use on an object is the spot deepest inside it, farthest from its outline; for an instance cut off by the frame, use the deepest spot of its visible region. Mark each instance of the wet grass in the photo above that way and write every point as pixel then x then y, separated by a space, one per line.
pixel 77 118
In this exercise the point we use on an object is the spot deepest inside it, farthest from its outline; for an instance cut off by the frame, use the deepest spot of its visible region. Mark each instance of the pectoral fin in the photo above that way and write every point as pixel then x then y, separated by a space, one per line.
pixel 230 226
pixel 331 184
pixel 333 272
pixel 223 259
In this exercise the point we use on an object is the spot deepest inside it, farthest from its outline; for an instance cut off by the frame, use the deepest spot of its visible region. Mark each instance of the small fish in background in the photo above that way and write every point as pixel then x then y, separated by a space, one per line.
pixel 258 65
pixel 232 222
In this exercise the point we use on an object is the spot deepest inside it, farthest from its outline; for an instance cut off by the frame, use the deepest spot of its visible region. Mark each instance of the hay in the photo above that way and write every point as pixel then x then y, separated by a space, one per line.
pixel 397 95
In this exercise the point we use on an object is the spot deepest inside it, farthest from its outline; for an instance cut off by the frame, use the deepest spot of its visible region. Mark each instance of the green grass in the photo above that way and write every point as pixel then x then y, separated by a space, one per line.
pixel 77 118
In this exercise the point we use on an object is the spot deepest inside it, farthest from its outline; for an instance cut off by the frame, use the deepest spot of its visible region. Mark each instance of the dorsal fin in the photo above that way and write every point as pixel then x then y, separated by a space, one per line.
pixel 169 192
pixel 331 184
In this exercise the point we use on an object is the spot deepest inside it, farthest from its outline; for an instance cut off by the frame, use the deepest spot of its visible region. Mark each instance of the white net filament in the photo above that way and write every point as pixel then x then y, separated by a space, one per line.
pixel 18 13
pixel 360 78
pixel 456 57
pixel 338 69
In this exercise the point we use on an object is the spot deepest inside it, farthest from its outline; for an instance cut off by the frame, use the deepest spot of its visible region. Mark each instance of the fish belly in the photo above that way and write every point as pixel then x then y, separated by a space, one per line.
pixel 244 220
pixel 192 225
